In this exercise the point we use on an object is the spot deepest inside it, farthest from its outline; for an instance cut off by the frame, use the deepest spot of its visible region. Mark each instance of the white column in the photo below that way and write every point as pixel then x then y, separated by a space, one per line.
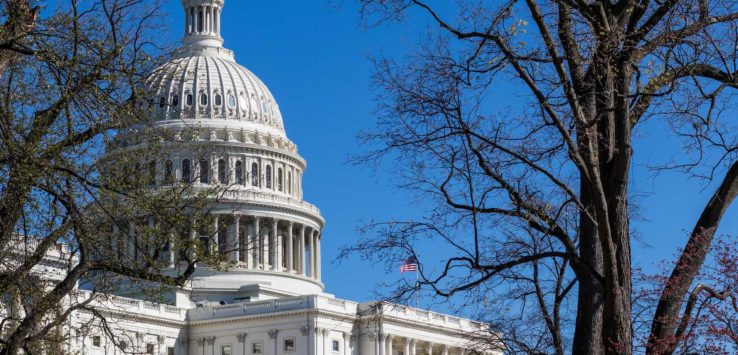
pixel 290 244
pixel 382 344
pixel 194 235
pixel 318 270
pixel 311 254
pixel 389 351
pixel 215 246
pixel 171 249
pixel 257 247
pixel 407 347
pixel 235 243
pixel 445 350
pixel 301 249
pixel 195 12
pixel 249 247
pixel 430 348
pixel 277 252
pixel 346 344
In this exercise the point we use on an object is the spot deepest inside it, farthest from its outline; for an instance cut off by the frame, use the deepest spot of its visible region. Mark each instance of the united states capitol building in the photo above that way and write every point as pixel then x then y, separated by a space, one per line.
pixel 271 299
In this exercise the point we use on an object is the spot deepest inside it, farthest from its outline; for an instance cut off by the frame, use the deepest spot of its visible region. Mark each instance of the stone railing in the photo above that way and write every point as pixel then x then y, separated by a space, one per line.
pixel 425 316
pixel 271 306
pixel 245 195
pixel 131 306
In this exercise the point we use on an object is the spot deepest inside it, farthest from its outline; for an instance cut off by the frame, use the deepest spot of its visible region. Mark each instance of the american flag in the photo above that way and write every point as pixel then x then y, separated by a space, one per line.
pixel 410 264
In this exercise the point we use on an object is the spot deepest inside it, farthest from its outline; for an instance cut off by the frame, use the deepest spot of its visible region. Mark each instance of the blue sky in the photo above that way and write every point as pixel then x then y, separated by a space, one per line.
pixel 313 55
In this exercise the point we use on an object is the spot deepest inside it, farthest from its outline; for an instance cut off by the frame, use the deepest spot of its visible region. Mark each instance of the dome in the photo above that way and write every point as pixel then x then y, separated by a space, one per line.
pixel 203 82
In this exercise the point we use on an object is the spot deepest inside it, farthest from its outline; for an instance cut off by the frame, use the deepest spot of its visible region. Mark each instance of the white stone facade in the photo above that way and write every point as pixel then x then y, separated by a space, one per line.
pixel 227 130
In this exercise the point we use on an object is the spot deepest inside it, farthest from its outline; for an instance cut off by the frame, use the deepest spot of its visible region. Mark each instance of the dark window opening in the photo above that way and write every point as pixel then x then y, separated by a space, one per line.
pixel 204 172
pixel 186 171
pixel 239 173
pixel 268 177
pixel 221 171
pixel 255 174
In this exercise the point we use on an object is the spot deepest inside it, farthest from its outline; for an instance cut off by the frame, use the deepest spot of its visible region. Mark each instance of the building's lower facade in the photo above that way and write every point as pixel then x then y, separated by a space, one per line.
pixel 305 325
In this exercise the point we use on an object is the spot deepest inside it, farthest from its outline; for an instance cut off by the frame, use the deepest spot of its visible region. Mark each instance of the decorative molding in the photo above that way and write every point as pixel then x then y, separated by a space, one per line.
pixel 304 330
pixel 241 337
pixel 209 340
pixel 273 333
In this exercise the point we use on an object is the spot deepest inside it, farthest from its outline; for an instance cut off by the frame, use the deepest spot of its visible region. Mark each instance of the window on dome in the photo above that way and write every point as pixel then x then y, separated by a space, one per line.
pixel 175 100
pixel 269 177
pixel 186 170
pixel 239 172
pixel 254 174
pixel 162 101
pixel 231 101
pixel 204 171
pixel 189 99
pixel 203 100
pixel 279 179
pixel 221 171
pixel 218 100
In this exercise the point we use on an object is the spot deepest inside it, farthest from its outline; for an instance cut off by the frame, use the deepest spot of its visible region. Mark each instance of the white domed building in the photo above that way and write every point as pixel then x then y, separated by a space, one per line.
pixel 227 129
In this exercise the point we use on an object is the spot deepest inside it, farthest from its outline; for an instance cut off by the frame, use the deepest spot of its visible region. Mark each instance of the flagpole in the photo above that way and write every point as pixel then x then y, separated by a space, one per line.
pixel 417 286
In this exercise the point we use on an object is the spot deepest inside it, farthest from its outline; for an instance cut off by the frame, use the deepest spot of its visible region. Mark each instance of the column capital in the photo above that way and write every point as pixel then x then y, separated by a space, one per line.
pixel 346 336
pixel 273 333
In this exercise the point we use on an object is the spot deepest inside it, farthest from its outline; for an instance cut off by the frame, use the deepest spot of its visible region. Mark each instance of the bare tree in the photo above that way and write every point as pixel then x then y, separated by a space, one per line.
pixel 546 183
pixel 77 172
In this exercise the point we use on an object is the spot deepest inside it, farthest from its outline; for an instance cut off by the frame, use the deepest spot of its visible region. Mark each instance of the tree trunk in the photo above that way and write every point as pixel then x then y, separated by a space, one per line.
pixel 588 329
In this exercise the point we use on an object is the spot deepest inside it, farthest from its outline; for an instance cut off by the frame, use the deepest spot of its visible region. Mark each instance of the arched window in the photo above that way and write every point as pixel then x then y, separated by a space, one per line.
pixel 162 101
pixel 221 171
pixel 279 180
pixel 189 99
pixel 289 182
pixel 254 174
pixel 203 100
pixel 175 100
pixel 231 101
pixel 239 172
pixel 168 172
pixel 269 177
pixel 204 171
pixel 186 171
pixel 218 100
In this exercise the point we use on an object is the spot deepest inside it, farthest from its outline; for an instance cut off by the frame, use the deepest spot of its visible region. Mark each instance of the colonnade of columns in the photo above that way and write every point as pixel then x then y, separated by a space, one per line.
pixel 202 19
pixel 267 243
pixel 253 242
pixel 395 345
